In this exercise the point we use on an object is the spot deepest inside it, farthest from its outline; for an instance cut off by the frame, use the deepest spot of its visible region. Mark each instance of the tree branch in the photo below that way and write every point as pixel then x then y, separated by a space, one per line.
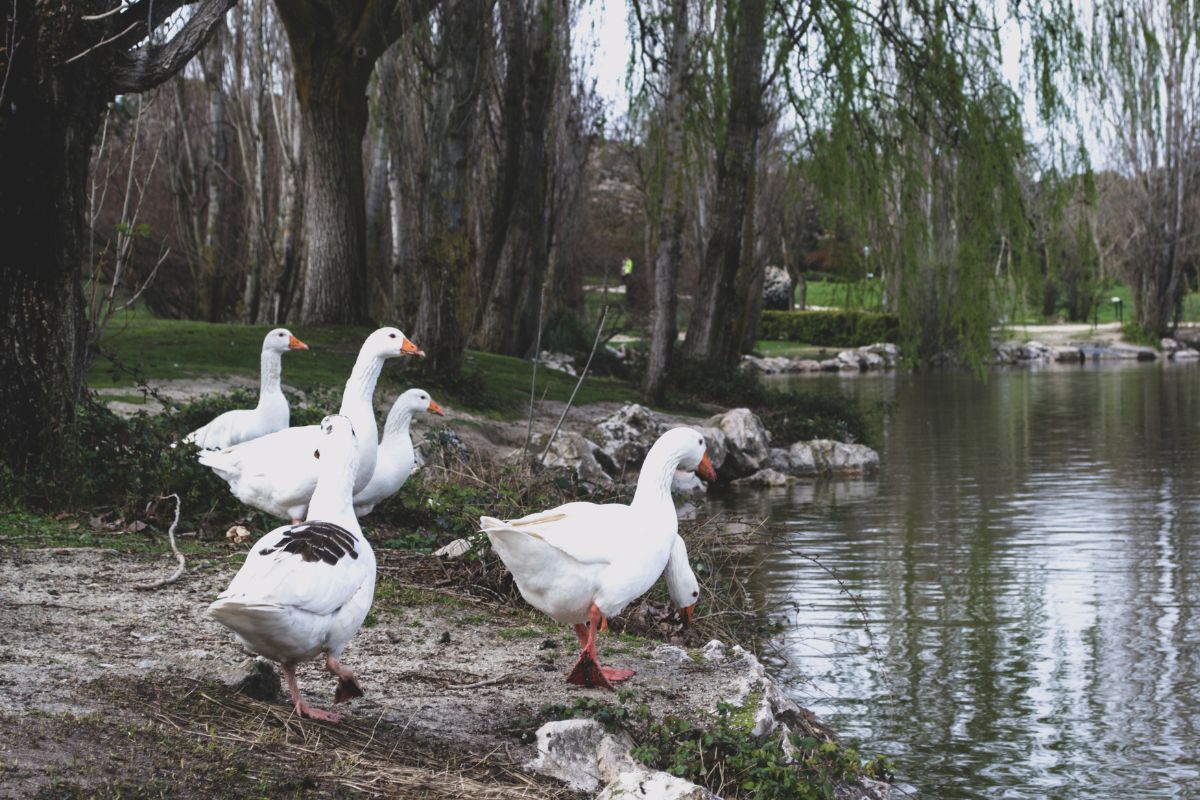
pixel 152 64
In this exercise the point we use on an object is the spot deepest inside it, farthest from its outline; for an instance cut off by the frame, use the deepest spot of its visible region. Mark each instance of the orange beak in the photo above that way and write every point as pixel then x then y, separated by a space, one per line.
pixel 686 614
pixel 705 470
pixel 296 344
pixel 434 408
pixel 410 349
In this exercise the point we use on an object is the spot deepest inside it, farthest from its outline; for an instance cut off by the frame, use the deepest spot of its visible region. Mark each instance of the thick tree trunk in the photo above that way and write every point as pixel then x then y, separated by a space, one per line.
pixel 516 260
pixel 713 324
pixel 49 115
pixel 333 115
pixel 448 252
pixel 670 230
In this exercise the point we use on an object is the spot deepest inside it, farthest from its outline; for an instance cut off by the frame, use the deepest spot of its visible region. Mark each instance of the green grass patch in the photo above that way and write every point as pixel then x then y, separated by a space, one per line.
pixel 139 347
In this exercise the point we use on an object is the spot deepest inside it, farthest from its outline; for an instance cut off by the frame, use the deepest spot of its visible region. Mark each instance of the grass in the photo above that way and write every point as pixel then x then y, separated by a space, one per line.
pixel 138 346
pixel 770 348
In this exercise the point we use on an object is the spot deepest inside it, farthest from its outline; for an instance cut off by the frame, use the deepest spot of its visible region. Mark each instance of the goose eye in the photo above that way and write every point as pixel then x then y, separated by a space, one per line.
pixel 316 453
pixel 695 594
pixel 391 336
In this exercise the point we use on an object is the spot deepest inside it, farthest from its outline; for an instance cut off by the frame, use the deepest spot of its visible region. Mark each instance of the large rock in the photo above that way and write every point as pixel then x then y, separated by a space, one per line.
pixel 1185 354
pixel 624 438
pixel 582 754
pixel 777 289
pixel 1132 351
pixel 577 454
pixel 772 365
pixel 653 785
pixel 1065 354
pixel 827 457
pixel 747 440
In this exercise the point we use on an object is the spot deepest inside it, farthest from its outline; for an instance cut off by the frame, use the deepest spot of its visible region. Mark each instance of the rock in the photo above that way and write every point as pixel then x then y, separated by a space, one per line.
pixel 827 457
pixel 646 784
pixel 558 361
pixel 1169 345
pixel 777 289
pixel 624 438
pixel 456 549
pixel 254 677
pixel 778 459
pixel 849 360
pixel 767 366
pixel 870 361
pixel 582 754
pixel 1005 353
pixel 803 365
pixel 673 654
pixel 766 478
pixel 1033 351
pixel 1185 354
pixel 890 353
pixel 713 651
pixel 1065 354
pixel 238 534
pixel 747 439
pixel 1132 351
pixel 831 365
pixel 687 484
pixel 578 454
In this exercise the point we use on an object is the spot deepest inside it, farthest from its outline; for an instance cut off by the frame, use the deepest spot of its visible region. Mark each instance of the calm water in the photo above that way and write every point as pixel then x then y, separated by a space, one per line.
pixel 1029 561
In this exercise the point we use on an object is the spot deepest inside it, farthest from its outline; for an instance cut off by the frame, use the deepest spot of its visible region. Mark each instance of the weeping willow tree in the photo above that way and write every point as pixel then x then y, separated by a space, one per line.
pixel 916 143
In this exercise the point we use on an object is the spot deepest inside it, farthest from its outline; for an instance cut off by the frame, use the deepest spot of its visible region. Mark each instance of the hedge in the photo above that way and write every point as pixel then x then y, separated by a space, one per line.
pixel 830 328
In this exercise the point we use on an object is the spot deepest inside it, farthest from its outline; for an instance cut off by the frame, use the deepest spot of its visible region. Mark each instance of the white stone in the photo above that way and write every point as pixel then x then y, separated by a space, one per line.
pixel 803 365
pixel 1185 354
pixel 645 784
pixel 713 651
pixel 1169 345
pixel 581 753
pixel 826 456
pixel 1066 354
pixel 456 549
pixel 716 444
pixel 672 654
pixel 748 444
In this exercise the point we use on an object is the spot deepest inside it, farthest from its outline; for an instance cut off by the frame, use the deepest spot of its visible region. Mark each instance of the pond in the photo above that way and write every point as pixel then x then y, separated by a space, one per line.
pixel 1028 560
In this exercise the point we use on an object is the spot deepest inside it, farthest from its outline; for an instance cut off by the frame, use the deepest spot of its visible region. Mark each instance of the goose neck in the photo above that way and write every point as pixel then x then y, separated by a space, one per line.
pixel 398 423
pixel 654 482
pixel 360 386
pixel 270 367
pixel 333 498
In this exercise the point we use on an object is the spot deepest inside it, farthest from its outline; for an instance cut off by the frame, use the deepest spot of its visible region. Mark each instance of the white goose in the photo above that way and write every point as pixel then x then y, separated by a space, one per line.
pixel 581 561
pixel 272 412
pixel 396 458
pixel 305 589
pixel 277 473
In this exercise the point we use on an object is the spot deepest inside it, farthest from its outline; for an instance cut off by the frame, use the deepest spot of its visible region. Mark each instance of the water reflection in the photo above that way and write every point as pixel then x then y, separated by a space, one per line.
pixel 1028 557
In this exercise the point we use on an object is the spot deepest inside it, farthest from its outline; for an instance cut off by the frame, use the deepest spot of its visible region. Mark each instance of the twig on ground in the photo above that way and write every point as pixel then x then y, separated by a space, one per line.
pixel 174 549
pixel 578 383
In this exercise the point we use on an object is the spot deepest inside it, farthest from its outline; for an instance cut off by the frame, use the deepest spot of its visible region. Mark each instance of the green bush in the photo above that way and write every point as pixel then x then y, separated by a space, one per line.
pixel 830 328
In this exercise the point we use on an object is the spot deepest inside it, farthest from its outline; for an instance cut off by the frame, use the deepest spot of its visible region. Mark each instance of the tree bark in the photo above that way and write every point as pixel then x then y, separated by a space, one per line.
pixel 713 327
pixel 447 246
pixel 516 260
pixel 670 230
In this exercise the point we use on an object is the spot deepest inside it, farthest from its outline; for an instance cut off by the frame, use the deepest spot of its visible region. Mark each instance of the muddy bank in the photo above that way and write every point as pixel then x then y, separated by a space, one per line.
pixel 107 690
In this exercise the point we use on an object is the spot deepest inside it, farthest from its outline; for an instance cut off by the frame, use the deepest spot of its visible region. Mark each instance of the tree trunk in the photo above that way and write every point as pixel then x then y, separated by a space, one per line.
pixel 517 256
pixel 448 252
pixel 713 324
pixel 212 60
pixel 670 230
pixel 333 118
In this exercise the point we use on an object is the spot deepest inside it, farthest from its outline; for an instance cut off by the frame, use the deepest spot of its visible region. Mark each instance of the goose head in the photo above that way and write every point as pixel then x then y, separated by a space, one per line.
pixel 389 343
pixel 411 402
pixel 685 447
pixel 281 340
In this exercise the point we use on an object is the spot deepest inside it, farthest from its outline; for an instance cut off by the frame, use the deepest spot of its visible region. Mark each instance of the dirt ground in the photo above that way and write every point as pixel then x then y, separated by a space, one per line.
pixel 107 691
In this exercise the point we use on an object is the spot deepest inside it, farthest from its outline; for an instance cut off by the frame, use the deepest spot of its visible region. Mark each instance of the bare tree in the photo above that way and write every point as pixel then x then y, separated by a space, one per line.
pixel 1148 87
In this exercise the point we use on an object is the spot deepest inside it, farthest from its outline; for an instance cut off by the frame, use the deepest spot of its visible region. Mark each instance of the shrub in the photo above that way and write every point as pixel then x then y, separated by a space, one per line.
pixel 830 328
